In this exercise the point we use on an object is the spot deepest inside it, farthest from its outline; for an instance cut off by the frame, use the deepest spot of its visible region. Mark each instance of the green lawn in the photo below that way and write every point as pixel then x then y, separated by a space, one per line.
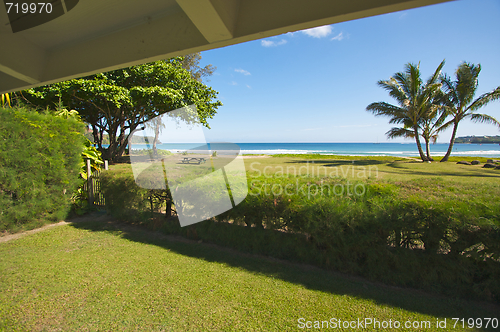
pixel 95 276
pixel 449 180
pixel 383 168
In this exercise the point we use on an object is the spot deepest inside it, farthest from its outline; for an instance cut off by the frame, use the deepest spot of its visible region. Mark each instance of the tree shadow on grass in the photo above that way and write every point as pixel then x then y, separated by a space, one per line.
pixel 333 163
pixel 311 277
pixel 467 173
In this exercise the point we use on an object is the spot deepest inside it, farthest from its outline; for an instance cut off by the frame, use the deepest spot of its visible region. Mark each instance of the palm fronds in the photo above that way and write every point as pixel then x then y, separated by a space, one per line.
pixel 458 100
pixel 417 105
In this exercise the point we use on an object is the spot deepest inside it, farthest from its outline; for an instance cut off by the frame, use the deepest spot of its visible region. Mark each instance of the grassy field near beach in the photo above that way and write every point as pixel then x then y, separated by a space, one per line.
pixel 444 181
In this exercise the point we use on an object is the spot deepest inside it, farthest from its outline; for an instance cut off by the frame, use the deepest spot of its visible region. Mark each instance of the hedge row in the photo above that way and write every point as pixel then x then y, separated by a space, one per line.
pixel 370 230
pixel 39 167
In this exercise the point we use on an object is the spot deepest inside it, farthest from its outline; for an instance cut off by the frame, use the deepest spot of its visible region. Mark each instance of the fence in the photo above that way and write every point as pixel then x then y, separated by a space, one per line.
pixel 93 186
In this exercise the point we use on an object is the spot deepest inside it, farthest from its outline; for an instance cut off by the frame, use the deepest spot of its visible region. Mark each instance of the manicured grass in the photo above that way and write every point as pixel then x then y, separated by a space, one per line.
pixel 383 168
pixel 378 158
pixel 94 277
pixel 446 182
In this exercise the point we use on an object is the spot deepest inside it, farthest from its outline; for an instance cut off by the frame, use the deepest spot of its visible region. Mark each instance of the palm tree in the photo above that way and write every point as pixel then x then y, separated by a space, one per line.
pixel 458 99
pixel 433 123
pixel 430 127
pixel 416 110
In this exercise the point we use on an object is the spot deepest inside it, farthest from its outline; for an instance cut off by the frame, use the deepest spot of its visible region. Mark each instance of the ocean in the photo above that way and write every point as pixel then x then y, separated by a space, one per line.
pixel 352 149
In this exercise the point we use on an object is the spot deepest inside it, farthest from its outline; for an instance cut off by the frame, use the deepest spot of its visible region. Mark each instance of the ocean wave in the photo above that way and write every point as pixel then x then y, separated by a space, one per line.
pixel 329 152
pixel 369 151
pixel 280 151
pixel 488 152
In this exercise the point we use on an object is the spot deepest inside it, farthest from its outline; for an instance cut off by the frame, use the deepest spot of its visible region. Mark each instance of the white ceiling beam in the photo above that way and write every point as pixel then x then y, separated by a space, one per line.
pixel 20 59
pixel 18 75
pixel 153 40
pixel 208 20
pixel 10 84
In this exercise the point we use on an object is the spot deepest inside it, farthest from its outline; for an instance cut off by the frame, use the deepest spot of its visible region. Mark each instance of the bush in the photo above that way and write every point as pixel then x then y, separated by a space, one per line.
pixel 39 167
pixel 126 200
pixel 449 246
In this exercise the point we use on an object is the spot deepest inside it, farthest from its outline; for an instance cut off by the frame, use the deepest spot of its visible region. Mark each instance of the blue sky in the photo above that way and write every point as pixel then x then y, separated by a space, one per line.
pixel 314 86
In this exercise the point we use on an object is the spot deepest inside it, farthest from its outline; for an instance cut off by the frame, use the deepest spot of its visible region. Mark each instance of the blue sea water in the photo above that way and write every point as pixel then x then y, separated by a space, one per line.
pixel 355 149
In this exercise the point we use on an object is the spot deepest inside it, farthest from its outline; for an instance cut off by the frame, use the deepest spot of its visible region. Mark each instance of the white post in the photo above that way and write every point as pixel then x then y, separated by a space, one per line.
pixel 105 165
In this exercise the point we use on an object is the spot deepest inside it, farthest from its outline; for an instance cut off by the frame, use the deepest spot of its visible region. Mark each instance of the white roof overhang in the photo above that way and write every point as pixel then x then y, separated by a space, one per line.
pixel 102 35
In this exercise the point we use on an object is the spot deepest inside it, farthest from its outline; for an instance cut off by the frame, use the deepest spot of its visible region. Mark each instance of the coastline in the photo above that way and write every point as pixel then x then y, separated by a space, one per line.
pixel 394 150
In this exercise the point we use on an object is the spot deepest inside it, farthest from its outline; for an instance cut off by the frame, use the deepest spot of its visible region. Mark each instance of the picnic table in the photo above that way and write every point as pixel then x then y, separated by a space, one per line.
pixel 188 160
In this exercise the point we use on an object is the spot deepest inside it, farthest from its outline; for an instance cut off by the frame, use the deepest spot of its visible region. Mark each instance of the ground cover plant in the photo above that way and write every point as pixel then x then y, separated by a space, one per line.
pixel 40 157
pixel 95 275
pixel 431 226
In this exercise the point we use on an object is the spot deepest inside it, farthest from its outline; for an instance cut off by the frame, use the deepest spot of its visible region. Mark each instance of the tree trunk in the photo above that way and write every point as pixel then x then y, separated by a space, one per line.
pixel 157 134
pixel 99 144
pixel 427 150
pixel 122 146
pixel 419 147
pixel 108 153
pixel 452 140
pixel 397 239
pixel 168 212
pixel 95 134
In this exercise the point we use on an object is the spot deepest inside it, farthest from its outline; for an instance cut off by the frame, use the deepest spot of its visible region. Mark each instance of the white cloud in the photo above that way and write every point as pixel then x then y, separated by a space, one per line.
pixel 355 126
pixel 271 43
pixel 233 83
pixel 318 32
pixel 248 86
pixel 242 71
pixel 311 129
pixel 338 37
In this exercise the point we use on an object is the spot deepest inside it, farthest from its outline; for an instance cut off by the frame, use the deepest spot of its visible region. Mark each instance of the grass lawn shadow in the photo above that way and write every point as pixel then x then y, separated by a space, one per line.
pixel 475 172
pixel 333 163
pixel 308 276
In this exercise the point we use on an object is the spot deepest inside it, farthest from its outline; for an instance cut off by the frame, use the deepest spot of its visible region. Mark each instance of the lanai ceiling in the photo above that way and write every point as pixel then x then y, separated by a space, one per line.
pixel 101 35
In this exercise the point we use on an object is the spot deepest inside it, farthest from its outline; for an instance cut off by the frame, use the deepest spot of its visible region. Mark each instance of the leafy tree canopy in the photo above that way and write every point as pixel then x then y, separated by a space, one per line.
pixel 119 101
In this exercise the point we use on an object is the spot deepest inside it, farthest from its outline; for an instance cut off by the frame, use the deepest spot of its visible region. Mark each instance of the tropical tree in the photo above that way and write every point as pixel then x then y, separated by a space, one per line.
pixel 459 100
pixel 429 128
pixel 118 102
pixel 416 110
pixel 190 62
pixel 157 125
pixel 433 122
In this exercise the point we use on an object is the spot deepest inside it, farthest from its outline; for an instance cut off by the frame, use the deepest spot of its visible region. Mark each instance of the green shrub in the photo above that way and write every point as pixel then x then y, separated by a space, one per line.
pixel 127 201
pixel 39 167
pixel 387 233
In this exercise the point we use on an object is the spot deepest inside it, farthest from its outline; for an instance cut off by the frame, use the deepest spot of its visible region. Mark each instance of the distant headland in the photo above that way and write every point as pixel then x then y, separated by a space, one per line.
pixel 137 139
pixel 478 139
